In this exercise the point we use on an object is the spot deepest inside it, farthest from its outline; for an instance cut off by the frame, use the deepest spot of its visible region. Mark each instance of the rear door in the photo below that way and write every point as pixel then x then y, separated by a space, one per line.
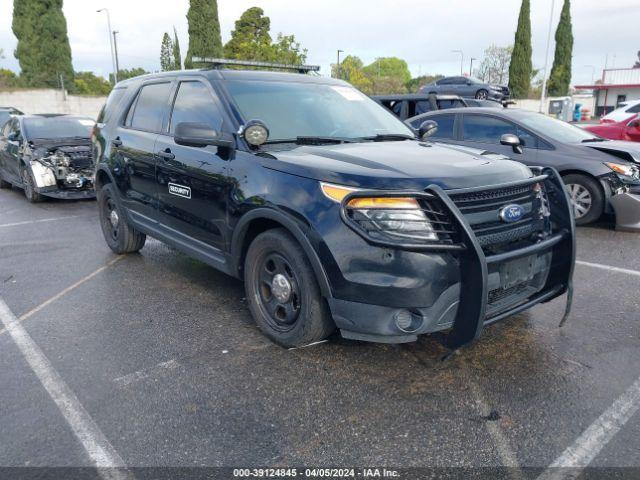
pixel 133 149
pixel 484 132
pixel 192 182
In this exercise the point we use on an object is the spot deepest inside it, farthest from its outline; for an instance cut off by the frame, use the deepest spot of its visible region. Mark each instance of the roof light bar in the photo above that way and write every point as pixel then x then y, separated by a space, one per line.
pixel 216 63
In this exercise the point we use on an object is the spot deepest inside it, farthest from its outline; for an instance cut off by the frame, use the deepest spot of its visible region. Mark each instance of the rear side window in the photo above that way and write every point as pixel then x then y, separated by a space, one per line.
pixel 149 108
pixel 112 102
pixel 480 128
pixel 194 103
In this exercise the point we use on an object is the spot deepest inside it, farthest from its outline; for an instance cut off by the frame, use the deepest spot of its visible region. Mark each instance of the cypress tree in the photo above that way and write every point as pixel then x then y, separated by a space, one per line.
pixel 166 53
pixel 177 56
pixel 204 31
pixel 43 49
pixel 520 67
pixel 560 77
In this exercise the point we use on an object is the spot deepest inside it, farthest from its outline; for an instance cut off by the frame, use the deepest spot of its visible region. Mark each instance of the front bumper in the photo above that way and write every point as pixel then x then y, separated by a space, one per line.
pixel 463 307
pixel 627 210
pixel 67 194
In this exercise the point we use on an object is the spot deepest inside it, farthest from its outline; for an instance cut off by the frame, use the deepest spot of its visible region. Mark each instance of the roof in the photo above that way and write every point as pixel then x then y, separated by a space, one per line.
pixel 603 86
pixel 52 115
pixel 415 96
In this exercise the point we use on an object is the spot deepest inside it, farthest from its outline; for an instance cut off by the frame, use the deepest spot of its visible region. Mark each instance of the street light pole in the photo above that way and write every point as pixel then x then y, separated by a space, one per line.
pixel 113 58
pixel 338 64
pixel 471 67
pixel 461 59
pixel 546 59
pixel 115 51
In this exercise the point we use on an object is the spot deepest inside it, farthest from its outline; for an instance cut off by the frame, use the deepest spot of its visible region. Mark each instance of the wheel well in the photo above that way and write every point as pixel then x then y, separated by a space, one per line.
pixel 255 228
pixel 101 179
pixel 564 173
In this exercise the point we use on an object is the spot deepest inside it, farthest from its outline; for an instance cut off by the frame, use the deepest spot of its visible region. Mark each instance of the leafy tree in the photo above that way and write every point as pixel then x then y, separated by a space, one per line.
pixel 177 56
pixel 389 67
pixel 560 76
pixel 415 83
pixel 87 83
pixel 1 53
pixel 351 71
pixel 494 67
pixel 128 73
pixel 287 50
pixel 204 31
pixel 166 53
pixel 43 49
pixel 9 79
pixel 250 40
pixel 520 67
pixel 637 64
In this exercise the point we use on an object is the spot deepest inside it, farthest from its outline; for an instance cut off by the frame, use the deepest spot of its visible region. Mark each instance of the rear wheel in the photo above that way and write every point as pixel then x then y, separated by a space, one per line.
pixel 29 185
pixel 482 94
pixel 119 235
pixel 586 197
pixel 283 294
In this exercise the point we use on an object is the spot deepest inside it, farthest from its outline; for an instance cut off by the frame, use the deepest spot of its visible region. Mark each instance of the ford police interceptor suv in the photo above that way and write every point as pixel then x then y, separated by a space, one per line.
pixel 335 213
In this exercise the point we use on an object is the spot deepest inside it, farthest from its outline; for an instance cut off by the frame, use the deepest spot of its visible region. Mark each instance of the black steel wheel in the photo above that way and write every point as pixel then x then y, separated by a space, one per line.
pixel 119 235
pixel 282 291
pixel 29 185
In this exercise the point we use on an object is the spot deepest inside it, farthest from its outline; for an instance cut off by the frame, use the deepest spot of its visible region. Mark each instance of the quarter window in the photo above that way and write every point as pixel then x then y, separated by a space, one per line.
pixel 149 108
pixel 194 103
pixel 634 109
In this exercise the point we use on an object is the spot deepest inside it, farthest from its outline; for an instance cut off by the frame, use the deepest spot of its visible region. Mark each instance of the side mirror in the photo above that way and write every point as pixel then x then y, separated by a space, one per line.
pixel 201 135
pixel 511 140
pixel 427 128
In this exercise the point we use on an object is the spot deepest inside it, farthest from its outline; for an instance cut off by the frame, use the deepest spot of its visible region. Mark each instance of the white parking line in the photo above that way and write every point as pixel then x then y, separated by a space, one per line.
pixel 592 441
pixel 609 268
pixel 142 374
pixel 102 454
pixel 27 222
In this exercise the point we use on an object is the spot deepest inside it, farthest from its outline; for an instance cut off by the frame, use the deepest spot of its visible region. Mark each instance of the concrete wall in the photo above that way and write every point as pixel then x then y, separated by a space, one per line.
pixel 587 101
pixel 51 101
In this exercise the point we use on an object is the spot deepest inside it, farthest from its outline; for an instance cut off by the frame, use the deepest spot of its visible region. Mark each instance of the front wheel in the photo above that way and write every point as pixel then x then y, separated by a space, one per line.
pixel 586 197
pixel 119 235
pixel 282 291
pixel 29 185
pixel 482 94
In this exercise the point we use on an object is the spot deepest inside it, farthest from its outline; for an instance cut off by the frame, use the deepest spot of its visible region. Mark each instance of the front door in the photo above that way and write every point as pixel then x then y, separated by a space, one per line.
pixel 134 147
pixel 12 141
pixel 191 181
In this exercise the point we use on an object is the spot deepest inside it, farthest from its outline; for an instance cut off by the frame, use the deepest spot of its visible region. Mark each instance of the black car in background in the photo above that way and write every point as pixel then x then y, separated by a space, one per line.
pixel 332 211
pixel 47 156
pixel 5 114
pixel 406 106
pixel 467 87
pixel 601 175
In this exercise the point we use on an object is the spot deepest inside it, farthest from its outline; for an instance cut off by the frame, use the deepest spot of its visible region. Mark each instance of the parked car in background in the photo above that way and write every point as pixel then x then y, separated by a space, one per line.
pixel 5 114
pixel 47 156
pixel 467 87
pixel 628 130
pixel 625 111
pixel 601 175
pixel 334 213
pixel 406 106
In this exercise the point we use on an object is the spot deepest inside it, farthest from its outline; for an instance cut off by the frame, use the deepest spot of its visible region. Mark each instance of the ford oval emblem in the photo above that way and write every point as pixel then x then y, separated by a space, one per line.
pixel 511 213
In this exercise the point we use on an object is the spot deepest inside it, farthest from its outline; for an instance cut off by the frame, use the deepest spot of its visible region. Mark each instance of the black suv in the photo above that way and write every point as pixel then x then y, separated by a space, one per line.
pixel 328 206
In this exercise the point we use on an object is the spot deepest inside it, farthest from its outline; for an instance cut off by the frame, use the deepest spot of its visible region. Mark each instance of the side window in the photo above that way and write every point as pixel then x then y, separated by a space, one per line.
pixel 446 81
pixel 527 139
pixel 634 109
pixel 480 128
pixel 194 103
pixel 445 126
pixel 7 128
pixel 149 107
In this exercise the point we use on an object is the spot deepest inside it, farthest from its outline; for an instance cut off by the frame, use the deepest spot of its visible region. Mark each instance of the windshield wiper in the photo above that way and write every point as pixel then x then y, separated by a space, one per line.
pixel 594 139
pixel 389 137
pixel 321 140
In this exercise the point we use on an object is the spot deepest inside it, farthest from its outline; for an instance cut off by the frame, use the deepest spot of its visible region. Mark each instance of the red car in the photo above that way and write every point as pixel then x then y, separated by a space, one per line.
pixel 628 129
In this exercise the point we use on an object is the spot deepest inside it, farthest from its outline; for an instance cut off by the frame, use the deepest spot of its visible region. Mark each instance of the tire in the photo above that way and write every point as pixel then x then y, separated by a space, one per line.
pixel 29 185
pixel 119 235
pixel 482 94
pixel 586 196
pixel 292 320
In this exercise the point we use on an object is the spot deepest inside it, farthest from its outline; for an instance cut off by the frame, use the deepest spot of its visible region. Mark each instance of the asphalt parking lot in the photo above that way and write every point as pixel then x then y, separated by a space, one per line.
pixel 166 365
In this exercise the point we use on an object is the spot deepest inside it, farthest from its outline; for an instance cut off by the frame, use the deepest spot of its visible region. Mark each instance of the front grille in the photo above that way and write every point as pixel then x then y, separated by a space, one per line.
pixel 481 209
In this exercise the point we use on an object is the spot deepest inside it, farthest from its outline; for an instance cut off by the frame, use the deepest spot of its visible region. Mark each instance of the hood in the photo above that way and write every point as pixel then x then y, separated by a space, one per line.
pixel 404 165
pixel 59 142
pixel 629 151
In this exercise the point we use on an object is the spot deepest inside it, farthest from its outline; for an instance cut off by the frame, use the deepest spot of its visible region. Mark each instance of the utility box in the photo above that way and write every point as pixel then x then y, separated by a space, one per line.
pixel 561 108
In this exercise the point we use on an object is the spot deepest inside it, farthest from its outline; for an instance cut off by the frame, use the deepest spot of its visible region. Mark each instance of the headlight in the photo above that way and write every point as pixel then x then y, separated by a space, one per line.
pixel 396 217
pixel 623 169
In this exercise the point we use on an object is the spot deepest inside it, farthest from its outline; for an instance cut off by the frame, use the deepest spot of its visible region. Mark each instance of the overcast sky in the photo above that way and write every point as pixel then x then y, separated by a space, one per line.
pixel 423 32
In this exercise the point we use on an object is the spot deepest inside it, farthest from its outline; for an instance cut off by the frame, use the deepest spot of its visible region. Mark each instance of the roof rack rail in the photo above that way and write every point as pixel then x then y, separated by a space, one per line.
pixel 217 63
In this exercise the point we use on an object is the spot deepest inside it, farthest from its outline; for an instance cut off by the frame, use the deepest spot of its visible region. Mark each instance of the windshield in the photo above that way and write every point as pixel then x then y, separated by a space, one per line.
pixel 292 110
pixel 556 129
pixel 57 127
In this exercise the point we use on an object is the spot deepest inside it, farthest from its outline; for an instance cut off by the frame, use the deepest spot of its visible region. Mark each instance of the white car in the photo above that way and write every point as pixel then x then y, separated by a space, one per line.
pixel 624 111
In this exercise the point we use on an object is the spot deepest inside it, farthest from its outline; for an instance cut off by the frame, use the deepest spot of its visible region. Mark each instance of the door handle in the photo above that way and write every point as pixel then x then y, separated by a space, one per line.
pixel 166 155
pixel 116 142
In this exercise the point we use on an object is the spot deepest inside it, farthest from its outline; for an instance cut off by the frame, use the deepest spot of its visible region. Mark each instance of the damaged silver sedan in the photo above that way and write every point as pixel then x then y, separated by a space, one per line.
pixel 48 156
